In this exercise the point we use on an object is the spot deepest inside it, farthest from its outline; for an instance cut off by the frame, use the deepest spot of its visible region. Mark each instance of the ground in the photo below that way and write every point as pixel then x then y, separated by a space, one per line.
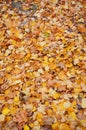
pixel 43 65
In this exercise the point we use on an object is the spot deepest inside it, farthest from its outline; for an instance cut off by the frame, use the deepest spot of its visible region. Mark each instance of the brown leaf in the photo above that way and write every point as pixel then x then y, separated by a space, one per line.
pixel 80 115
pixel 82 28
pixel 47 76
pixel 51 82
pixel 62 88
pixel 20 117
pixel 83 87
pixel 48 120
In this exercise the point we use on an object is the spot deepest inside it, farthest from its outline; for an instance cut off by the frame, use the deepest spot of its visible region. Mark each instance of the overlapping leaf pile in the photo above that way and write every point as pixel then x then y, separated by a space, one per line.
pixel 43 65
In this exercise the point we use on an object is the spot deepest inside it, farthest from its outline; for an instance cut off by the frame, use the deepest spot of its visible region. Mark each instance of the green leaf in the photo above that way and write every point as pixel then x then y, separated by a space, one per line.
pixel 47 34
pixel 34 7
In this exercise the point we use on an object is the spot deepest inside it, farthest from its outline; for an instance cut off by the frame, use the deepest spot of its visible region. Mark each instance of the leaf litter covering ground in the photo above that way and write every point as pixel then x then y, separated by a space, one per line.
pixel 43 65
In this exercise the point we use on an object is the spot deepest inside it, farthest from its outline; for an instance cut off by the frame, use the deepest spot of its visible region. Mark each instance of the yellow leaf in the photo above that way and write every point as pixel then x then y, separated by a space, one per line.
pixel 77 90
pixel 26 127
pixel 5 111
pixel 45 63
pixel 5 16
pixel 26 57
pixel 51 60
pixel 19 35
pixel 43 84
pixel 54 107
pixel 13 110
pixel 56 95
pixel 31 125
pixel 34 109
pixel 16 99
pixel 53 66
pixel 64 127
pixel 39 117
pixel 1 81
pixel 46 103
pixel 7 92
pixel 13 42
pixel 55 126
pixel 49 112
pixel 61 106
pixel 62 75
pixel 28 83
pixel 33 23
pixel 8 69
pixel 8 118
pixel 69 65
pixel 73 116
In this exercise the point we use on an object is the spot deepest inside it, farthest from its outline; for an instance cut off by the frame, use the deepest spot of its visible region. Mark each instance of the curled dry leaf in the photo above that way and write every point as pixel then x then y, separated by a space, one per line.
pixel 82 28
pixel 83 87
pixel 80 115
pixel 51 82
pixel 46 127
pixel 20 117
pixel 72 79
pixel 47 76
pixel 48 120
pixel 62 88
pixel 3 87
